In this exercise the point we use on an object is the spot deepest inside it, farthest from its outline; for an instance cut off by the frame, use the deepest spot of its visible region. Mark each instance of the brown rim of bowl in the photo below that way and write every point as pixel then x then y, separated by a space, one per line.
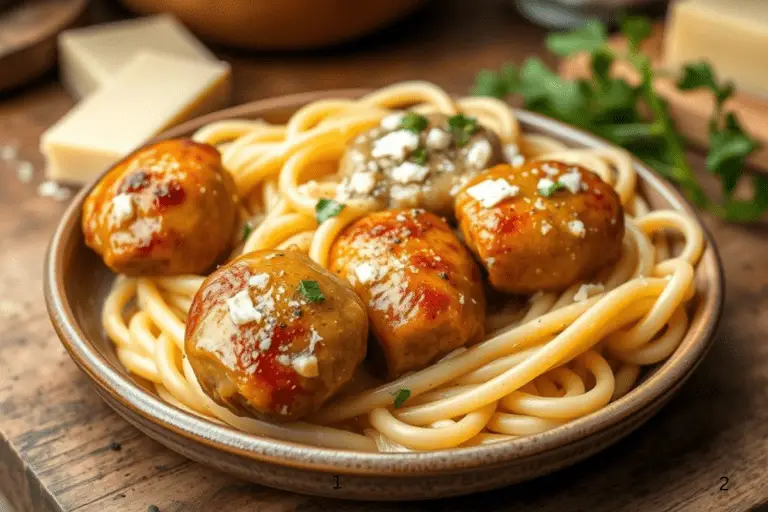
pixel 669 375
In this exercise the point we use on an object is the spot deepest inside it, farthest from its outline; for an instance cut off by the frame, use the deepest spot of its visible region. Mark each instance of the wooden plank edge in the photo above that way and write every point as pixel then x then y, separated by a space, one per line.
pixel 24 490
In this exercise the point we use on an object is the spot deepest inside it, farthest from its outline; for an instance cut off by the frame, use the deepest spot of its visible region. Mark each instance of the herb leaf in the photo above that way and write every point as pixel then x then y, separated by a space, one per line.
pixel 419 156
pixel 401 395
pixel 496 85
pixel 462 127
pixel 636 29
pixel 413 122
pixel 588 38
pixel 311 290
pixel 700 75
pixel 551 189
pixel 327 208
pixel 247 230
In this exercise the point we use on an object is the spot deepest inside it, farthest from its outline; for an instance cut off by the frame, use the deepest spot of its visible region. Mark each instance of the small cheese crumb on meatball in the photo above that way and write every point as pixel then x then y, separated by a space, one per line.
pixel 412 160
pixel 169 208
pixel 273 335
pixel 541 226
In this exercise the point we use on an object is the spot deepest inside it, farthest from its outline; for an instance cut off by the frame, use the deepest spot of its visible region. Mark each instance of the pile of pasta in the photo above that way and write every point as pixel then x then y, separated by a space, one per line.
pixel 551 361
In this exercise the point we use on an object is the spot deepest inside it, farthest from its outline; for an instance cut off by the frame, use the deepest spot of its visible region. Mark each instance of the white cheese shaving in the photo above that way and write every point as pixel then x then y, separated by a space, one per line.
pixel 587 290
pixel 122 208
pixel 395 145
pixel 479 153
pixel 546 227
pixel 365 272
pixel 409 172
pixel 438 138
pixel 258 280
pixel 544 185
pixel 517 161
pixel 510 152
pixel 571 181
pixel 306 365
pixel 576 227
pixel 392 121
pixel 362 182
pixel 491 192
pixel 241 310
pixel 539 204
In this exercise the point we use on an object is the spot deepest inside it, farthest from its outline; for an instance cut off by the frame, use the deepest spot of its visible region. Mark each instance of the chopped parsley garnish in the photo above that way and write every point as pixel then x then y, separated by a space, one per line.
pixel 462 127
pixel 554 187
pixel 327 208
pixel 419 156
pixel 311 290
pixel 636 116
pixel 413 122
pixel 247 229
pixel 401 395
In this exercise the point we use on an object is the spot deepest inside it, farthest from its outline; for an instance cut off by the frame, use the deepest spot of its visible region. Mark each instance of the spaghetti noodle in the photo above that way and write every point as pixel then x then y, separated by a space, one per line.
pixel 561 357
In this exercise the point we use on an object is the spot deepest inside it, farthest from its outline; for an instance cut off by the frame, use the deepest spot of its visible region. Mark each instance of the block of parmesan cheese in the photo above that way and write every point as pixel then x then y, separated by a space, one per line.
pixel 90 56
pixel 150 93
pixel 731 34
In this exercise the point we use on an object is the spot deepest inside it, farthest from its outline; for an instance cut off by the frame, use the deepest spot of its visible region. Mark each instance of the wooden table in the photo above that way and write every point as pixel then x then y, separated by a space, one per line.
pixel 56 433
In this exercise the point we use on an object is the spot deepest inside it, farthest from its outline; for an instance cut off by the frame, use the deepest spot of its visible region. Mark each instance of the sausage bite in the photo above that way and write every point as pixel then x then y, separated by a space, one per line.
pixel 169 208
pixel 273 335
pixel 417 161
pixel 421 286
pixel 542 226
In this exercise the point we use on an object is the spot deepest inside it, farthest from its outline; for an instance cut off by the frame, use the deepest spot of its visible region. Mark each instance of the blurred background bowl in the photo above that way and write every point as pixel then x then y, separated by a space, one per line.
pixel 279 24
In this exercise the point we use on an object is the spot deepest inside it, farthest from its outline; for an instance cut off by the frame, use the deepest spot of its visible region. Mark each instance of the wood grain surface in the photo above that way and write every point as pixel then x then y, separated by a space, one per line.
pixel 55 432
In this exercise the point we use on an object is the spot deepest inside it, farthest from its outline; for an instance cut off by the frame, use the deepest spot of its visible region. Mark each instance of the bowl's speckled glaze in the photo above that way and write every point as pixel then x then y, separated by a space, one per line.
pixel 76 283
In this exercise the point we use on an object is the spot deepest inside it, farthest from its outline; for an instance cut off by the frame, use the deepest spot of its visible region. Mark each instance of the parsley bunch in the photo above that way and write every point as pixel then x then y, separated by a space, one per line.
pixel 636 117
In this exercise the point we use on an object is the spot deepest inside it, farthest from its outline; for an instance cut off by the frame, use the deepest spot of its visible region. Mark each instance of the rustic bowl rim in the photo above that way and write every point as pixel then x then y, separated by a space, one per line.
pixel 123 390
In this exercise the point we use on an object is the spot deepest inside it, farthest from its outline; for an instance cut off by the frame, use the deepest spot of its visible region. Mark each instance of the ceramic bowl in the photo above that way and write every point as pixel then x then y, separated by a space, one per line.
pixel 76 283
pixel 279 24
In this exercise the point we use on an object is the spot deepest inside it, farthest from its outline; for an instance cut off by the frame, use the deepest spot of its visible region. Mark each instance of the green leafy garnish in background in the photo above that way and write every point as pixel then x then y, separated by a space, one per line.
pixel 636 117
pixel 327 208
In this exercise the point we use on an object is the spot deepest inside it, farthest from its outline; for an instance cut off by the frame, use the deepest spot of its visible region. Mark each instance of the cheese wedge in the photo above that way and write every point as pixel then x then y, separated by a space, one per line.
pixel 90 56
pixel 732 35
pixel 149 94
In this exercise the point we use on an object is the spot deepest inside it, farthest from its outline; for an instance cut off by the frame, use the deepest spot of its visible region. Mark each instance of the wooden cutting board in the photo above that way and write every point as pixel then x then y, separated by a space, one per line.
pixel 691 109
pixel 28 31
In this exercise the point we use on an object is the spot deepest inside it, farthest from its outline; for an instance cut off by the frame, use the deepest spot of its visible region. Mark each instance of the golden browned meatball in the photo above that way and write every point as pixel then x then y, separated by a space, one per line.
pixel 422 288
pixel 542 226
pixel 273 335
pixel 169 208
pixel 417 161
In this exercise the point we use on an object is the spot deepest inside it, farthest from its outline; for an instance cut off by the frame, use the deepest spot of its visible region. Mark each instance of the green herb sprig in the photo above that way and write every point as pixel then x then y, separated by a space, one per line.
pixel 462 127
pixel 414 122
pixel 401 395
pixel 327 208
pixel 636 117
pixel 311 291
